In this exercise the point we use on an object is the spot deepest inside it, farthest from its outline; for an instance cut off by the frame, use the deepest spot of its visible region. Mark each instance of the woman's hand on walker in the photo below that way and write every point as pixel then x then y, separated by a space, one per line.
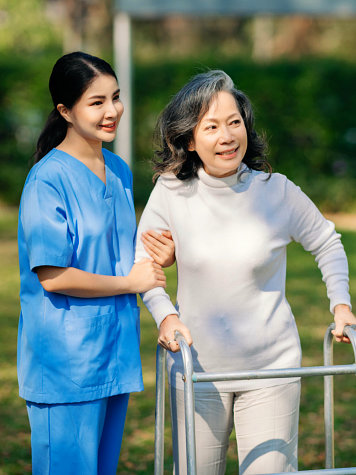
pixel 159 246
pixel 145 275
pixel 342 316
pixel 167 329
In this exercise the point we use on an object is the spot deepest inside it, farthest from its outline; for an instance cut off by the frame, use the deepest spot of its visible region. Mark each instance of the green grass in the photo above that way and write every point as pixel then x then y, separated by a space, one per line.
pixel 308 299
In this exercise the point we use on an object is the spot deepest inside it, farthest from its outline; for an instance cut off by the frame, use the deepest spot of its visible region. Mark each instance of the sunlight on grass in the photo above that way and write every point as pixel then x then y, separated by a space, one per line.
pixel 307 297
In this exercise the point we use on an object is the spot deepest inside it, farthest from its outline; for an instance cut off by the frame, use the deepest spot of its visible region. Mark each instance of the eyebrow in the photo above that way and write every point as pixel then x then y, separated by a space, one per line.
pixel 213 119
pixel 103 97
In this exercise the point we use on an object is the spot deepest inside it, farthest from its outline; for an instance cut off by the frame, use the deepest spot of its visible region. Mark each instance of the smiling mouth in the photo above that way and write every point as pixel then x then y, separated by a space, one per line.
pixel 110 126
pixel 228 153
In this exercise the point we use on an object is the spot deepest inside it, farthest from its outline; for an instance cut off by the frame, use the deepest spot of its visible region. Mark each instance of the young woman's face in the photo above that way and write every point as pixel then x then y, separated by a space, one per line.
pixel 220 138
pixel 96 115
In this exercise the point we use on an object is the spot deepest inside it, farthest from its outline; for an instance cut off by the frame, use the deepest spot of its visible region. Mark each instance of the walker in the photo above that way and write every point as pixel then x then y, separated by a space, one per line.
pixel 190 377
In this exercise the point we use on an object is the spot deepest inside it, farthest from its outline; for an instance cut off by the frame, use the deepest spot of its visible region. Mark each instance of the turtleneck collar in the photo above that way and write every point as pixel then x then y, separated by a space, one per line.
pixel 222 182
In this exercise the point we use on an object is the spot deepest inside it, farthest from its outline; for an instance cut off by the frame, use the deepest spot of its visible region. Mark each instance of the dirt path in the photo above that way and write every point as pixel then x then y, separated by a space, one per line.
pixel 343 220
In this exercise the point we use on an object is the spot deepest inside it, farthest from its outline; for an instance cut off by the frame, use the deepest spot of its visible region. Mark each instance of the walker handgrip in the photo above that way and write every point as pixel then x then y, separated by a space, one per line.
pixel 350 332
pixel 179 337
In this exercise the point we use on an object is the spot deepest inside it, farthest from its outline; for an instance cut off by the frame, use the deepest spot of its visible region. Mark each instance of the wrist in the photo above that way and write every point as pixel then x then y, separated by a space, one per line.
pixel 341 307
pixel 169 318
pixel 124 285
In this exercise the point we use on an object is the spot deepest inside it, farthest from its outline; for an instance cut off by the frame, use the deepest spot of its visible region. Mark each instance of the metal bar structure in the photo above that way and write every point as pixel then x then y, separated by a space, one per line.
pixel 159 425
pixel 190 377
pixel 329 401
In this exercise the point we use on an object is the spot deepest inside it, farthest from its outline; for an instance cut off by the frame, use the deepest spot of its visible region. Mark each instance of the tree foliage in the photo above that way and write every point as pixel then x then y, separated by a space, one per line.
pixel 305 108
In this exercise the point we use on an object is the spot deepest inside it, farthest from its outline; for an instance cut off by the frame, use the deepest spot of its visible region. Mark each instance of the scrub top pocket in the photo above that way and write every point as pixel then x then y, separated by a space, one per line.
pixel 92 349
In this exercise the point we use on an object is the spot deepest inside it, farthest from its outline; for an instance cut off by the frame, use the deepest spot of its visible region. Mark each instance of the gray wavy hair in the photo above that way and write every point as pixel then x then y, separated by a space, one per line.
pixel 176 124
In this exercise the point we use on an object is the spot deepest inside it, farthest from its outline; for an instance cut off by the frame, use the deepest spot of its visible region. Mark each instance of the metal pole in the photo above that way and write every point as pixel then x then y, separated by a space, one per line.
pixel 326 371
pixel 159 424
pixel 323 471
pixel 275 373
pixel 123 67
pixel 329 400
pixel 350 331
pixel 189 406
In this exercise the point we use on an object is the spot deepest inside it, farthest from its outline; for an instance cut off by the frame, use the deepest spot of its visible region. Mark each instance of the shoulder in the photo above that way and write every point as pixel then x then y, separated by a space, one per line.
pixel 276 188
pixel 170 182
pixel 277 181
pixel 45 181
pixel 48 169
pixel 264 177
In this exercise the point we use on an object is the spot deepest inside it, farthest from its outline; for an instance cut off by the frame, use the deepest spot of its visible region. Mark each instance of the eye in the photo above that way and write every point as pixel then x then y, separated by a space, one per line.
pixel 116 98
pixel 97 103
pixel 236 122
pixel 210 127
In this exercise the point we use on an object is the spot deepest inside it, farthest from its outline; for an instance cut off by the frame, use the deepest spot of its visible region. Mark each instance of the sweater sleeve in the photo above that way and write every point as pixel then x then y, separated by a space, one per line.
pixel 318 236
pixel 155 217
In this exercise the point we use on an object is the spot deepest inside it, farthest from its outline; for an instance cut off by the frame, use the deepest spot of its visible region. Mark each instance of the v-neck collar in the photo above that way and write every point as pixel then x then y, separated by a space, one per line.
pixel 93 176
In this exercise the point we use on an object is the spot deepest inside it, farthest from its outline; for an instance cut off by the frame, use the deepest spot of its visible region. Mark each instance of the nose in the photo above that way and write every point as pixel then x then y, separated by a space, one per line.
pixel 113 111
pixel 225 135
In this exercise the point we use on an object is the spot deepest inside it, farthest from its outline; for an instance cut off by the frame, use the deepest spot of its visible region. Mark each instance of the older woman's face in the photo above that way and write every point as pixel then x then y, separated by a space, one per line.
pixel 220 138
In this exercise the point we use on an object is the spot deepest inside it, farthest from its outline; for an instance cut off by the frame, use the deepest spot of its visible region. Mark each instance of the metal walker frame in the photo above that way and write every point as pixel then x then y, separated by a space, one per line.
pixel 190 377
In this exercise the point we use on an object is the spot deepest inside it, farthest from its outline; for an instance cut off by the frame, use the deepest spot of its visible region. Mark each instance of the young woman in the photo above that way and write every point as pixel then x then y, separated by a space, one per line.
pixel 78 340
pixel 231 223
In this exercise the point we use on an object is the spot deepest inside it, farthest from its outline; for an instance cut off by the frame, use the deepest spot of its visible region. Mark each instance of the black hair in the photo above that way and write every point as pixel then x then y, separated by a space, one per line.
pixel 70 78
pixel 176 124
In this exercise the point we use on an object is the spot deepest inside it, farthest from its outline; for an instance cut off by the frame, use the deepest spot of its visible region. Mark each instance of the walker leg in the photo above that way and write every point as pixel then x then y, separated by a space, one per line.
pixel 189 408
pixel 329 401
pixel 159 423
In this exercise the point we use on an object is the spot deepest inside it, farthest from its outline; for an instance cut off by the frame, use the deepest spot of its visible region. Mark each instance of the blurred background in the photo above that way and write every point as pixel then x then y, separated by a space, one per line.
pixel 299 71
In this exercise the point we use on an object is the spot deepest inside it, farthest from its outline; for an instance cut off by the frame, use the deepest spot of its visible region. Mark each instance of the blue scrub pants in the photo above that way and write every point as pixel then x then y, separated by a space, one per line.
pixel 79 438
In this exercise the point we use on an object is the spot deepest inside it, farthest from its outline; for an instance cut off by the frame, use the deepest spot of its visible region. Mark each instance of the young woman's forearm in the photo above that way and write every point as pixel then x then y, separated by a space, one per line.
pixel 144 276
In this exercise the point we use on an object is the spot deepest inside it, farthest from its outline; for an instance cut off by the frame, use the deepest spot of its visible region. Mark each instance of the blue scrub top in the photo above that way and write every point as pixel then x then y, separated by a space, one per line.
pixel 74 349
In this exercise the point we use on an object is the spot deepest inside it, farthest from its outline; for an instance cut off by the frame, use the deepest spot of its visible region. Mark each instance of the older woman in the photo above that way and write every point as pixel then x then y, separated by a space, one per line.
pixel 231 220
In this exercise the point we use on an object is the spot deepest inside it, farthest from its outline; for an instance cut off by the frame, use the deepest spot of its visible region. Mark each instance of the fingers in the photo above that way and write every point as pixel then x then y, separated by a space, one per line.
pixel 152 253
pixel 170 345
pixel 167 329
pixel 339 336
pixel 160 247
pixel 342 316
pixel 339 333
pixel 168 342
pixel 186 333
pixel 144 261
pixel 155 242
pixel 150 273
pixel 156 266
pixel 160 277
pixel 153 246
pixel 167 234
pixel 160 239
pixel 169 326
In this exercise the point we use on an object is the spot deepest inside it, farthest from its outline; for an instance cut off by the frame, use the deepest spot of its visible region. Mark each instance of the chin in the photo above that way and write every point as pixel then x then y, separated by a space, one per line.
pixel 108 138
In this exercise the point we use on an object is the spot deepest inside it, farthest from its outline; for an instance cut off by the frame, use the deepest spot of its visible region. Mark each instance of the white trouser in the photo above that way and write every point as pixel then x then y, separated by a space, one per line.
pixel 266 425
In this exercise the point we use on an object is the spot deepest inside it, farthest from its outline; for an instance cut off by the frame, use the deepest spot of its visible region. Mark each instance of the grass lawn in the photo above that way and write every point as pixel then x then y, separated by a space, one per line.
pixel 307 297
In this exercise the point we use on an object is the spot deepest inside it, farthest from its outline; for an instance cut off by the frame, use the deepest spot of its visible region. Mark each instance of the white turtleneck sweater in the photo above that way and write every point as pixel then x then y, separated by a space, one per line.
pixel 231 236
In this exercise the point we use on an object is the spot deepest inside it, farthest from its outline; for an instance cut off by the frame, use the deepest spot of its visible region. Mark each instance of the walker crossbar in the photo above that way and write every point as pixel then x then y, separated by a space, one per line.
pixel 275 373
pixel 190 377
pixel 324 471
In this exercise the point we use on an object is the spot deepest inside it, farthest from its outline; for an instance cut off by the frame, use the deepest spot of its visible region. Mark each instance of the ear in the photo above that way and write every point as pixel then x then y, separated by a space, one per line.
pixel 191 146
pixel 64 111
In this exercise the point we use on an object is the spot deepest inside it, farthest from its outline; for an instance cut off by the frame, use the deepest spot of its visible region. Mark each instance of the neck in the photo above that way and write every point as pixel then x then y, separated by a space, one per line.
pixel 81 148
